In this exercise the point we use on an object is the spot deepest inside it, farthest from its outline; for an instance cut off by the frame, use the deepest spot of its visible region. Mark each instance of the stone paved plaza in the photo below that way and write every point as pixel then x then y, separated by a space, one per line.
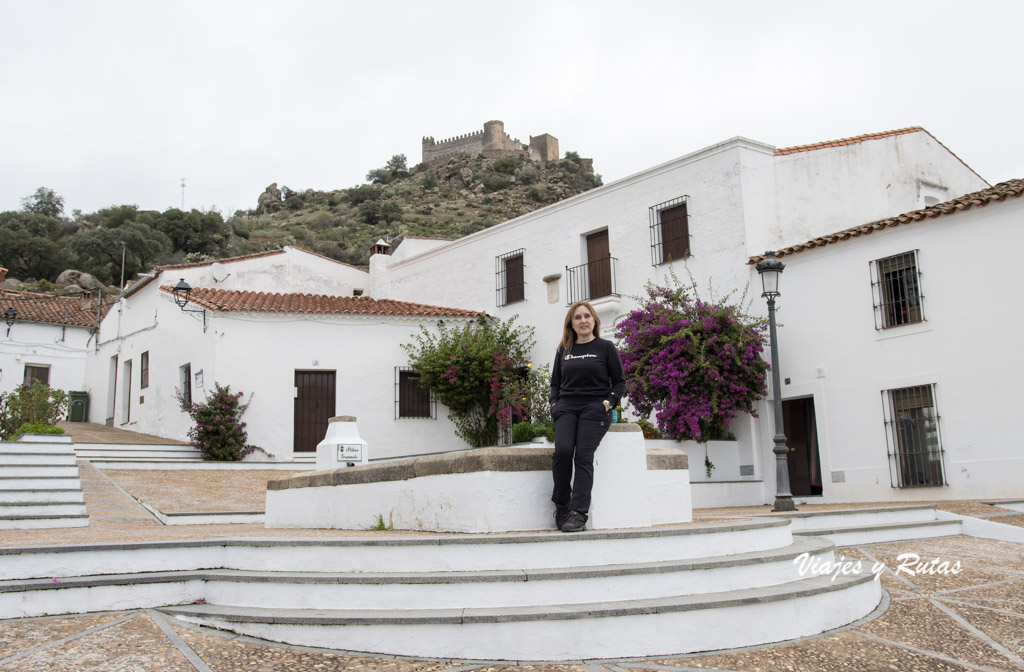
pixel 972 620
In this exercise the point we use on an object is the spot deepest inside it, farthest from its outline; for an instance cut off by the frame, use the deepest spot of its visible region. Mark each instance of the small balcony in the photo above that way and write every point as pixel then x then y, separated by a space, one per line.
pixel 592 280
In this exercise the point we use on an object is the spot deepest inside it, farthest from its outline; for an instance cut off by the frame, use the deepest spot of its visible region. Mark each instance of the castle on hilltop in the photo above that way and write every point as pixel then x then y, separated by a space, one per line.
pixel 493 142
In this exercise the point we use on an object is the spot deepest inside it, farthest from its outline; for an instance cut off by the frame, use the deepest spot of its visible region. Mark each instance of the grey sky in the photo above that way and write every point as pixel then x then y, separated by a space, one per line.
pixel 112 102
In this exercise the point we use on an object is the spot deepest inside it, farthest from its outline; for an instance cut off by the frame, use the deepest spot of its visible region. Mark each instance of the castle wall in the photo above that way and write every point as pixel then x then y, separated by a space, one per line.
pixel 493 142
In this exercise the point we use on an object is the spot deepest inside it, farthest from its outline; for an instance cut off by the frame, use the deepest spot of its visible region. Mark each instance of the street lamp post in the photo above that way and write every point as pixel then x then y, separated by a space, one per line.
pixel 770 269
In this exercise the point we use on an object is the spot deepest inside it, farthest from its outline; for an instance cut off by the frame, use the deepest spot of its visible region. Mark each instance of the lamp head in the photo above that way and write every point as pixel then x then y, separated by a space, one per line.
pixel 770 269
pixel 182 293
pixel 10 315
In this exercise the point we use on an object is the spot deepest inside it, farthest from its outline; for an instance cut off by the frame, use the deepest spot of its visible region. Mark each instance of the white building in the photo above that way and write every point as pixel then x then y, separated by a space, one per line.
pixel 45 338
pixel 301 356
pixel 706 214
pixel 899 353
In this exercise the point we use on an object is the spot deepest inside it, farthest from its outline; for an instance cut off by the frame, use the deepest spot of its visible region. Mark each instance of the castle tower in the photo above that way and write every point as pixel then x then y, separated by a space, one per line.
pixel 494 135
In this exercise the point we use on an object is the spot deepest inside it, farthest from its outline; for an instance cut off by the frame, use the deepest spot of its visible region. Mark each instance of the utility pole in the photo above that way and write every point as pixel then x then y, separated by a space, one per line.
pixel 183 193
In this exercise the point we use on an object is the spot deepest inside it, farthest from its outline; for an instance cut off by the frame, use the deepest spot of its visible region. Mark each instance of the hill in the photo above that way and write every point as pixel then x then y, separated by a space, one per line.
pixel 448 199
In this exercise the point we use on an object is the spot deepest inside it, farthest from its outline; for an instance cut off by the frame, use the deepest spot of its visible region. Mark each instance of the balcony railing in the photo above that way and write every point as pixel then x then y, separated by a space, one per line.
pixel 591 280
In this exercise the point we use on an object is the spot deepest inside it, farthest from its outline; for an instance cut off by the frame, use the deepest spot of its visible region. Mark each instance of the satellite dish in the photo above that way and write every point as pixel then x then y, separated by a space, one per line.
pixel 219 272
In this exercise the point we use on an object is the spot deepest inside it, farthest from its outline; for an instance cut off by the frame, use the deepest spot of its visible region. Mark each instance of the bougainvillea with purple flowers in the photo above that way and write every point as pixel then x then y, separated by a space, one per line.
pixel 693 364
pixel 219 432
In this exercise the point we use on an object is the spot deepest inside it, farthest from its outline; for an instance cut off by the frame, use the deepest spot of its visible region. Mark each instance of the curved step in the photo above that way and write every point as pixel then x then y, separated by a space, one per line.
pixel 435 553
pixel 414 590
pixel 644 627
pixel 40 522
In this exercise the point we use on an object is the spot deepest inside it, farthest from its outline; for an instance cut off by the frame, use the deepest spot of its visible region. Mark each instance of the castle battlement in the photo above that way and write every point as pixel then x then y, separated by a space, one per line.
pixel 493 142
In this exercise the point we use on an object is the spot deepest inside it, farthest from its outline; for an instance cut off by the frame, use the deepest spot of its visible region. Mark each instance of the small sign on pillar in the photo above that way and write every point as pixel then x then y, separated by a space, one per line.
pixel 342 445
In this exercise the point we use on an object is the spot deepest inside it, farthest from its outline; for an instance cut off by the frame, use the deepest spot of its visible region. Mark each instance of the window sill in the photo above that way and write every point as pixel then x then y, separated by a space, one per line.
pixel 903 330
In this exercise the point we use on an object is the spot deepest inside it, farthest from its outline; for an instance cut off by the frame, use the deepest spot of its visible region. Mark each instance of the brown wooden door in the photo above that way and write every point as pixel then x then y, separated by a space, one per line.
pixel 314 408
pixel 802 439
pixel 599 265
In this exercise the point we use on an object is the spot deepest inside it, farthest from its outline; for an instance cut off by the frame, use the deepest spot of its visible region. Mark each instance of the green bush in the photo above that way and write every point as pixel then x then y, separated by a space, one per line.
pixel 527 175
pixel 35 428
pixel 496 182
pixel 479 371
pixel 36 404
pixel 506 164
pixel 524 432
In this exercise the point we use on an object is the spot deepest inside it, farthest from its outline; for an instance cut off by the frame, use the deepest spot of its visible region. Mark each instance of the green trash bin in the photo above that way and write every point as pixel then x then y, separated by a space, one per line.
pixel 78 406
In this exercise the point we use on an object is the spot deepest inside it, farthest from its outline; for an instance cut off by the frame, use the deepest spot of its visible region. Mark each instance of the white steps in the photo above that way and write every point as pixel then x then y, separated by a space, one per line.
pixel 110 452
pixel 548 596
pixel 39 485
pixel 851 527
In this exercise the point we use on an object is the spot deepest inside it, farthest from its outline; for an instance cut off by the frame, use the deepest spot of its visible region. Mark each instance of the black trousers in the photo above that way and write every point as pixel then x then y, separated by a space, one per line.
pixel 579 428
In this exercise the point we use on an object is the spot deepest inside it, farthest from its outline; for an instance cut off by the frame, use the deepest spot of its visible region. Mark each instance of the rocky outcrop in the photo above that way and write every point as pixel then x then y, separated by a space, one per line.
pixel 270 201
pixel 82 280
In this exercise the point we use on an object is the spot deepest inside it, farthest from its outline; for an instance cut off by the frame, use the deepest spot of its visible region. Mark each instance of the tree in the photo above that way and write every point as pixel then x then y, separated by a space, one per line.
pixel 29 247
pixel 101 248
pixel 478 371
pixel 193 231
pixel 44 201
pixel 694 364
pixel 395 168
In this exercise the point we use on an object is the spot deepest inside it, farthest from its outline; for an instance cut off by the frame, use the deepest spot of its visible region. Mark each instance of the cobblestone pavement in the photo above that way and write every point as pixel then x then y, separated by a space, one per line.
pixel 972 620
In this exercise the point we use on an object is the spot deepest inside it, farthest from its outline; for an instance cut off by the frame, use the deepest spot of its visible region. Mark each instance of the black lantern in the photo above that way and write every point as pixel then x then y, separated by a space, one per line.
pixel 10 315
pixel 182 293
pixel 770 269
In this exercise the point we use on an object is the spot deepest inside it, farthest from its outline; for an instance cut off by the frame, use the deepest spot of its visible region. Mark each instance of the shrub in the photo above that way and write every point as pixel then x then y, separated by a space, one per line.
pixel 479 371
pixel 36 404
pixel 35 428
pixel 695 364
pixel 527 175
pixel 506 164
pixel 219 432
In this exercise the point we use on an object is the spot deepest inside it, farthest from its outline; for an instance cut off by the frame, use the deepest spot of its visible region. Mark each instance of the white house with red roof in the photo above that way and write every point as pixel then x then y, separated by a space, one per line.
pixel 287 328
pixel 705 215
pixel 46 338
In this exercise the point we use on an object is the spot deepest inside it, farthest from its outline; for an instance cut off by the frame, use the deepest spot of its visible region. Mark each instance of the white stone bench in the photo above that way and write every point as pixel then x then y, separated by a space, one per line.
pixel 501 489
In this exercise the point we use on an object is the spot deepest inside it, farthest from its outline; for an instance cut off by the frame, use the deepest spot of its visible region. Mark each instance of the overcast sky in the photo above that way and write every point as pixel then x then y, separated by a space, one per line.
pixel 114 102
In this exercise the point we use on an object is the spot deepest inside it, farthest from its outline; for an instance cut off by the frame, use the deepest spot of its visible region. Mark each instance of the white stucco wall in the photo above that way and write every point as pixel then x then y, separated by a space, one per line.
pixel 968 347
pixel 43 344
pixel 258 353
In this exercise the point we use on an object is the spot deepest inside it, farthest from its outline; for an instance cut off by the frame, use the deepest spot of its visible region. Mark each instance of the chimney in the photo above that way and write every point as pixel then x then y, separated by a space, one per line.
pixel 380 247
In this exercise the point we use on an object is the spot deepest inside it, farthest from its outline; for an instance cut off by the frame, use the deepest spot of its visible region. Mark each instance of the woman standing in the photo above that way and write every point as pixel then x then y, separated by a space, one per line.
pixel 586 384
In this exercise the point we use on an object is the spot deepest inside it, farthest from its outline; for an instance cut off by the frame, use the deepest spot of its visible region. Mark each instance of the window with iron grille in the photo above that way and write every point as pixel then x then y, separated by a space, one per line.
pixel 896 290
pixel 412 401
pixel 510 280
pixel 144 370
pixel 670 231
pixel 185 376
pixel 912 437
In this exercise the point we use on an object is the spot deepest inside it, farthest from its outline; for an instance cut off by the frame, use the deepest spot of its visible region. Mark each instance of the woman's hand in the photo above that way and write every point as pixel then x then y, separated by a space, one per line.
pixel 607 406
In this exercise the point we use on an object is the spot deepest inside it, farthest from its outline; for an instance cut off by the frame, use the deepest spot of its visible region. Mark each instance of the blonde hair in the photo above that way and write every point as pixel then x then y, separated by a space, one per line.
pixel 569 334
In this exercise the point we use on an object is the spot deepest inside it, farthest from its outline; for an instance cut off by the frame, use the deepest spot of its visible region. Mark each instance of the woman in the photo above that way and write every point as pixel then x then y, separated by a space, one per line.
pixel 586 384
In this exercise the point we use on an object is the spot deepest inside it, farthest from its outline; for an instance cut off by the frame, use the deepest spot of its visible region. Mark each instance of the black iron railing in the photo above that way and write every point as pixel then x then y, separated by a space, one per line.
pixel 591 280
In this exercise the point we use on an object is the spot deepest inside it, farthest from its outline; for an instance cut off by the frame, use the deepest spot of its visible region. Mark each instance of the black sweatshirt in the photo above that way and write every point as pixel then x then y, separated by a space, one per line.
pixel 591 370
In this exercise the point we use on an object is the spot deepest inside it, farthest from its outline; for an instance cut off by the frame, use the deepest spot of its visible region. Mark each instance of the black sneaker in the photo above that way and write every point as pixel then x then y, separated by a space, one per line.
pixel 561 513
pixel 574 522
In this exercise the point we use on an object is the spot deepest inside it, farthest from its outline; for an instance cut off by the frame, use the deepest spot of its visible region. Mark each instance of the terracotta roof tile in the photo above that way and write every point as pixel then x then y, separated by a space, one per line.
pixel 847 141
pixel 226 260
pixel 782 151
pixel 321 304
pixel 998 193
pixel 33 307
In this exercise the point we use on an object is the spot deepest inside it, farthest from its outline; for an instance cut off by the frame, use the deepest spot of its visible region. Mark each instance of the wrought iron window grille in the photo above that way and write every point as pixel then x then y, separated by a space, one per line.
pixel 896 290
pixel 670 231
pixel 510 277
pixel 412 401
pixel 913 438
